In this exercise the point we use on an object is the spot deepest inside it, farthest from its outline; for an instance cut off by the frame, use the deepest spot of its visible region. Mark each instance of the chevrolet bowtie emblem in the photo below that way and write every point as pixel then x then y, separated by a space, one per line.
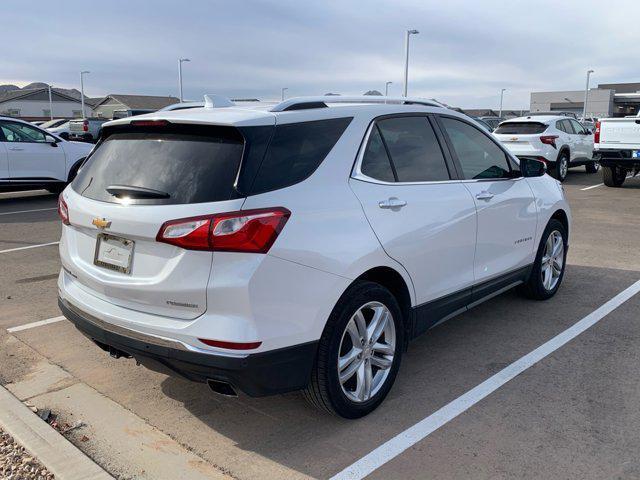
pixel 101 223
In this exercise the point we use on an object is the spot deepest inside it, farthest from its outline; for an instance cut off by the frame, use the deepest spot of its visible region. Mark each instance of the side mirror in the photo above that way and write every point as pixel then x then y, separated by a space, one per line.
pixel 51 140
pixel 530 167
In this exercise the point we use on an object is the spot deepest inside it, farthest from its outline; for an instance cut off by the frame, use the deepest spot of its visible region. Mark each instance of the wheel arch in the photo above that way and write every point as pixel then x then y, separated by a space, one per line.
pixel 562 217
pixel 393 281
pixel 563 149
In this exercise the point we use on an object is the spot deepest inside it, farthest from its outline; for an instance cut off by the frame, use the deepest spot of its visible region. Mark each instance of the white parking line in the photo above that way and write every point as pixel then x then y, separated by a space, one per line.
pixel 27 248
pixel 598 185
pixel 27 211
pixel 401 442
pixel 27 326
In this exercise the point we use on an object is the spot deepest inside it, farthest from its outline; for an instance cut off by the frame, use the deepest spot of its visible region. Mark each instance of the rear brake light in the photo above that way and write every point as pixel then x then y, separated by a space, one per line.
pixel 150 123
pixel 231 345
pixel 85 126
pixel 549 140
pixel 596 135
pixel 63 210
pixel 252 231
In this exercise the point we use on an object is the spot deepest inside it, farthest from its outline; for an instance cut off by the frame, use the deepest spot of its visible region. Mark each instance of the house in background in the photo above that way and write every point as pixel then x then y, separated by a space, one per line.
pixel 33 104
pixel 116 106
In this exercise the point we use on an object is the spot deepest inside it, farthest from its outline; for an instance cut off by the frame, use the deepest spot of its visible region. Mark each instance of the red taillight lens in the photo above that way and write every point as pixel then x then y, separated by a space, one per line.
pixel 549 140
pixel 251 231
pixel 63 210
pixel 85 126
pixel 596 134
pixel 231 345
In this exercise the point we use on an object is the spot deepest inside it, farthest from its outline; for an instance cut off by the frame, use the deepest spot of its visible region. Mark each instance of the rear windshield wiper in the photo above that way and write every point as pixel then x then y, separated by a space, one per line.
pixel 135 192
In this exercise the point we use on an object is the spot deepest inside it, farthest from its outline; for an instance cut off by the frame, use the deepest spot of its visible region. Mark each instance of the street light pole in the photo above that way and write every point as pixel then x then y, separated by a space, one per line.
pixel 180 60
pixel 82 74
pixel 406 58
pixel 386 88
pixel 284 89
pixel 50 104
pixel 501 98
pixel 586 96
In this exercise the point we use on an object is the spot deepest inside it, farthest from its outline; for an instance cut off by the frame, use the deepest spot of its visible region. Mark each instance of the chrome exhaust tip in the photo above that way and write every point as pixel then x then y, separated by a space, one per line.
pixel 222 388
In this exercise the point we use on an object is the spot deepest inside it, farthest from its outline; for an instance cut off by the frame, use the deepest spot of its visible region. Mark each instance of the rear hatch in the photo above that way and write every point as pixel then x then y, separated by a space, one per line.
pixel 620 133
pixel 521 138
pixel 137 179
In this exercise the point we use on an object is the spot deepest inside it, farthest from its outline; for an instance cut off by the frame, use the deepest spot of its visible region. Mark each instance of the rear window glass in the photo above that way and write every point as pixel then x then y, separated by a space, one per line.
pixel 520 128
pixel 295 151
pixel 168 167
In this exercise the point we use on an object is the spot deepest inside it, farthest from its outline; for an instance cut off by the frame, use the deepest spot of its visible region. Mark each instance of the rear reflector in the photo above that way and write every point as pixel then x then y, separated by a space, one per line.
pixel 231 345
pixel 63 210
pixel 549 140
pixel 251 231
pixel 596 134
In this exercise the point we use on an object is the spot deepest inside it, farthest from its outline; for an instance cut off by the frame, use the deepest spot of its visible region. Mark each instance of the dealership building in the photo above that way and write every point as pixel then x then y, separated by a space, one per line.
pixel 607 100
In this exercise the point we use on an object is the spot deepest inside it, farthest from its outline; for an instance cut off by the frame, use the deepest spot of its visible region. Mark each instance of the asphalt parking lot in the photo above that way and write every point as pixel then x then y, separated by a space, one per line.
pixel 574 414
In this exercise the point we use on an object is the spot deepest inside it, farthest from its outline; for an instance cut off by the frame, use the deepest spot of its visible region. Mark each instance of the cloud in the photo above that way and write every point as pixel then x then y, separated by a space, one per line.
pixel 465 52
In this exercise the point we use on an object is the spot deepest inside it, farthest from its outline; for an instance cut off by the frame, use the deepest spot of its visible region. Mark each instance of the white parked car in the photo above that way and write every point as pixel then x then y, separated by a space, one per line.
pixel 61 130
pixel 31 157
pixel 559 141
pixel 299 246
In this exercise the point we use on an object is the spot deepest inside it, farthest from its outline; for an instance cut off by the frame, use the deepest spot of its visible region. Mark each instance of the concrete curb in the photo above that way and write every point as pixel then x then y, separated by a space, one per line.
pixel 54 451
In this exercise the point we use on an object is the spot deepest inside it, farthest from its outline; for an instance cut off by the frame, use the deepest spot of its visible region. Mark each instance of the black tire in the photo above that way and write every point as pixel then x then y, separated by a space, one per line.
pixel 613 176
pixel 325 391
pixel 534 287
pixel 559 172
pixel 592 167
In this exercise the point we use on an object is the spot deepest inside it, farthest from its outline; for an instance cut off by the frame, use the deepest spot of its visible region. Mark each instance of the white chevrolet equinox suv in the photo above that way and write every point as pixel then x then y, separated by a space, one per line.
pixel 559 141
pixel 299 246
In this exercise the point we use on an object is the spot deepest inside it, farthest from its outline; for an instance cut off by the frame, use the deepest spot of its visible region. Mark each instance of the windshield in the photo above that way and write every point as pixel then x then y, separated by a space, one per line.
pixel 520 128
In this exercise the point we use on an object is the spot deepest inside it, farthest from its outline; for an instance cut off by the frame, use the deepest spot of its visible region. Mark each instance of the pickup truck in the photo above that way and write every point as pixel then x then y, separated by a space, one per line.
pixel 616 145
pixel 87 129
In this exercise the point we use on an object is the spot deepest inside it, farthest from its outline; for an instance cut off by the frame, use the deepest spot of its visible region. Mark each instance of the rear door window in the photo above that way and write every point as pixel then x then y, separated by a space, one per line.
pixel 296 151
pixel 375 162
pixel 414 149
pixel 521 128
pixel 568 127
pixel 180 164
pixel 479 156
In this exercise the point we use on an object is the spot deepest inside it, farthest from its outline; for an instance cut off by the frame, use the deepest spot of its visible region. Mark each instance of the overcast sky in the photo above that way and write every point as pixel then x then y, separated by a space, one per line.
pixel 465 53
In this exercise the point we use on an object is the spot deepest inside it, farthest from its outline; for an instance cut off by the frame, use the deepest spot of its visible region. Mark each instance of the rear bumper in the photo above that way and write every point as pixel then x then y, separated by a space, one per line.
pixel 616 158
pixel 266 373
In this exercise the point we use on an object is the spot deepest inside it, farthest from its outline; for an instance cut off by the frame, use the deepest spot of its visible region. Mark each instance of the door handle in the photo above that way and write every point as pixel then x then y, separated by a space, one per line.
pixel 16 149
pixel 392 202
pixel 484 195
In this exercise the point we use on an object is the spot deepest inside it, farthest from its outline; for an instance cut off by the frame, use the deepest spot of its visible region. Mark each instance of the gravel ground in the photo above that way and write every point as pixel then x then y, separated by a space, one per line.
pixel 18 464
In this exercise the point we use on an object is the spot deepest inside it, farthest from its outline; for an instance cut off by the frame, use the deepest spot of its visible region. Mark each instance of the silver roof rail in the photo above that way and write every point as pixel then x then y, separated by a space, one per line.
pixel 302 103
pixel 217 101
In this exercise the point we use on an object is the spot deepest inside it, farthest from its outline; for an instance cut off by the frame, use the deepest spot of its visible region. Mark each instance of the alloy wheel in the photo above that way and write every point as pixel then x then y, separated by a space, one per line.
pixel 564 167
pixel 367 351
pixel 552 260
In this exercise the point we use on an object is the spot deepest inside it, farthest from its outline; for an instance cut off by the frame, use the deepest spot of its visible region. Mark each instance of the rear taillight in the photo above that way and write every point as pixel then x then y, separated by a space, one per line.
pixel 596 134
pixel 85 126
pixel 251 231
pixel 549 140
pixel 63 210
